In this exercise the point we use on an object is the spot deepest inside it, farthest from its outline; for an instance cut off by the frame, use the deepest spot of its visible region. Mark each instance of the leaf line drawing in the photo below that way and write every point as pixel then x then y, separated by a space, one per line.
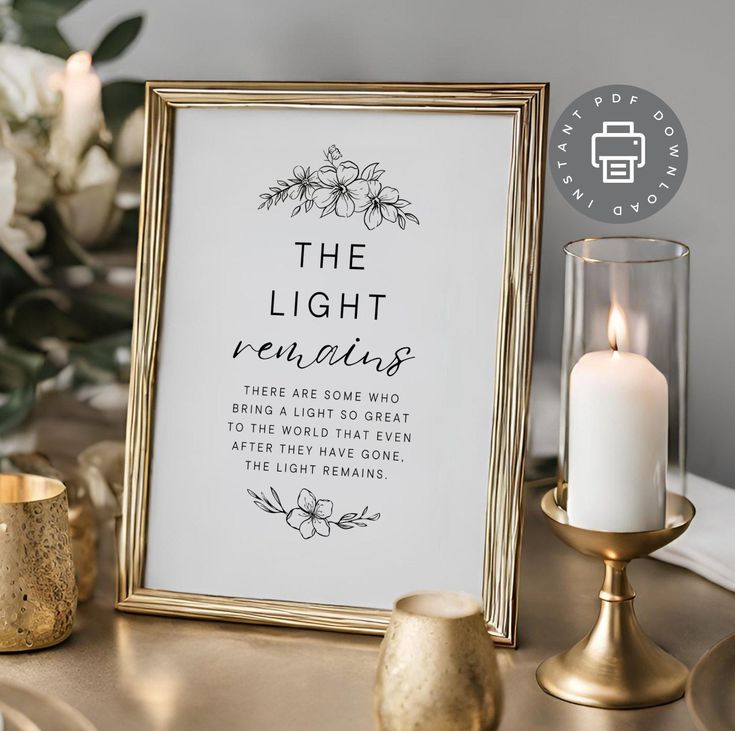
pixel 311 516
pixel 342 189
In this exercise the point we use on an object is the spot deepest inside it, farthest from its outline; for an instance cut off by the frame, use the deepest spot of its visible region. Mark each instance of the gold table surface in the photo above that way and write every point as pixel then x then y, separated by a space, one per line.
pixel 137 673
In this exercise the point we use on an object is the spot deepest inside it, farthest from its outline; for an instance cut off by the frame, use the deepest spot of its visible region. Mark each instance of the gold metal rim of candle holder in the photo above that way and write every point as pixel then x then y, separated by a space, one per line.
pixel 616 665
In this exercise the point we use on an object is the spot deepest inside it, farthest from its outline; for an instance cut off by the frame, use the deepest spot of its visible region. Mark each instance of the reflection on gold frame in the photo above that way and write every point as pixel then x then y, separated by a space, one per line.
pixel 527 105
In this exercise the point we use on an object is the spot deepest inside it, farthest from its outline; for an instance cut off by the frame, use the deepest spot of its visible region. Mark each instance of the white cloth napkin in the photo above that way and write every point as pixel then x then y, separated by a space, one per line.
pixel 708 546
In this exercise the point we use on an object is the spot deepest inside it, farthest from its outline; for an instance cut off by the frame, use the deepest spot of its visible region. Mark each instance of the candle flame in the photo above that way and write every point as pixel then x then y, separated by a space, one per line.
pixel 617 330
pixel 79 63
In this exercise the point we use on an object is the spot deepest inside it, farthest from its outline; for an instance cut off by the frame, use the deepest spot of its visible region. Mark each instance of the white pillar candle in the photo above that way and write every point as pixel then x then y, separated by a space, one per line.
pixel 618 427
pixel 81 111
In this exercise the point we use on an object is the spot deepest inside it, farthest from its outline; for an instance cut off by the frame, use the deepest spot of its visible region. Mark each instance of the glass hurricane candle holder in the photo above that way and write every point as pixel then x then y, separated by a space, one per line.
pixel 624 373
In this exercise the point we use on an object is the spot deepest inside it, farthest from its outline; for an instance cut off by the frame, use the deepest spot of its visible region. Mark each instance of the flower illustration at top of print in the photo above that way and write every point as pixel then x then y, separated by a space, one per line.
pixel 342 191
pixel 380 204
pixel 305 183
pixel 311 516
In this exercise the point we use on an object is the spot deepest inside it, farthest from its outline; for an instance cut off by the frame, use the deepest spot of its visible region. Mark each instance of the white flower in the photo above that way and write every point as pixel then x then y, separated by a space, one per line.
pixel 129 157
pixel 7 186
pixel 380 205
pixel 33 178
pixel 25 88
pixel 18 234
pixel 88 212
pixel 312 515
pixel 341 191
pixel 129 144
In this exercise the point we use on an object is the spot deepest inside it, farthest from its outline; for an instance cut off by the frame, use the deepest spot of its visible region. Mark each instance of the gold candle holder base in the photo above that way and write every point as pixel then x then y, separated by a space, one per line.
pixel 616 665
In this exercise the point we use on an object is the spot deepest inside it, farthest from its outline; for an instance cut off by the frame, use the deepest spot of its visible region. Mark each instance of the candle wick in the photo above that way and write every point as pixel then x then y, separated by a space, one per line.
pixel 615 327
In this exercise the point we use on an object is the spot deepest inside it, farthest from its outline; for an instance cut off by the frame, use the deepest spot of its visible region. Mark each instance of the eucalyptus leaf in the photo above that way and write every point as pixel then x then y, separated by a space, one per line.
pixel 102 353
pixel 119 100
pixel 38 22
pixel 76 316
pixel 38 366
pixel 102 313
pixel 126 238
pixel 14 281
pixel 44 37
pixel 49 369
pixel 118 39
pixel 99 362
pixel 18 386
pixel 62 248
pixel 46 9
pixel 86 372
pixel 44 313
pixel 18 367
pixel 16 408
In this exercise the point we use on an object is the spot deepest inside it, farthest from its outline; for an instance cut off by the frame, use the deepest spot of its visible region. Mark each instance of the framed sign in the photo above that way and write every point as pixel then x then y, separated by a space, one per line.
pixel 332 349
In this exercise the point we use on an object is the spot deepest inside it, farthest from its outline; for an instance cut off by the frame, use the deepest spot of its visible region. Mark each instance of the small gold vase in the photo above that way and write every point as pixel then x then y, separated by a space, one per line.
pixel 437 669
pixel 38 593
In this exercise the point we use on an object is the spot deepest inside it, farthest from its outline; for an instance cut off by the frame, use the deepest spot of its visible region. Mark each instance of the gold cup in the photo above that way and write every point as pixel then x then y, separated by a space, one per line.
pixel 38 593
pixel 437 669
pixel 616 665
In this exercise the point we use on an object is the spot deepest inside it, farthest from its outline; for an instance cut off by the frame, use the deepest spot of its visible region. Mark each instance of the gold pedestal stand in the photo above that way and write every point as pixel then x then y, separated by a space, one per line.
pixel 616 665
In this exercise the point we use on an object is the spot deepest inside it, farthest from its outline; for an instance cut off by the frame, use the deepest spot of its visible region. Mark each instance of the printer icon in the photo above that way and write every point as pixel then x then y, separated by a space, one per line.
pixel 619 150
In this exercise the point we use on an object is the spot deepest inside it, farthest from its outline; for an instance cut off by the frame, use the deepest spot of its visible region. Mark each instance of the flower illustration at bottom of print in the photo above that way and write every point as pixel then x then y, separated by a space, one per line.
pixel 311 515
pixel 381 204
pixel 341 190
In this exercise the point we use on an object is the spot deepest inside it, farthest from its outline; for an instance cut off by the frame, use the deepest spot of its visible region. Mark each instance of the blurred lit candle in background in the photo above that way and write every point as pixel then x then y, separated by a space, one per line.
pixel 80 101
pixel 618 424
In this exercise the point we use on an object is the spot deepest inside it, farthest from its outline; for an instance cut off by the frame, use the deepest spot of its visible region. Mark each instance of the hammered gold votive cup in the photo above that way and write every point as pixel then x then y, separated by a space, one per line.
pixel 38 592
pixel 437 669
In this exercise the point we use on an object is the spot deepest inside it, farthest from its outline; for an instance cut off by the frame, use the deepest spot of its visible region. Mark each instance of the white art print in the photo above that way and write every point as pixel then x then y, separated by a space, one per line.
pixel 326 354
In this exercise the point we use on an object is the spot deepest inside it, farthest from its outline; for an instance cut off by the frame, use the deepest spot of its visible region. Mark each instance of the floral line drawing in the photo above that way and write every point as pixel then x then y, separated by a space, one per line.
pixel 312 516
pixel 343 189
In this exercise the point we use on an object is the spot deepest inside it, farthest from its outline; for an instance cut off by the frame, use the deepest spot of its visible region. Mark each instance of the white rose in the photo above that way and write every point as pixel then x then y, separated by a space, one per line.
pixel 7 186
pixel 129 156
pixel 129 143
pixel 88 212
pixel 33 178
pixel 18 234
pixel 25 88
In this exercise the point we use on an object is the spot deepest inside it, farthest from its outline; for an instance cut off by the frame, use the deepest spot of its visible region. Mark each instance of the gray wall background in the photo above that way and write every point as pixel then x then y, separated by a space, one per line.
pixel 681 50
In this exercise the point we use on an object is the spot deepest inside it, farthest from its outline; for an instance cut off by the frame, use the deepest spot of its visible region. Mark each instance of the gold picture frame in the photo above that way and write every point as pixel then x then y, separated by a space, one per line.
pixel 526 104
